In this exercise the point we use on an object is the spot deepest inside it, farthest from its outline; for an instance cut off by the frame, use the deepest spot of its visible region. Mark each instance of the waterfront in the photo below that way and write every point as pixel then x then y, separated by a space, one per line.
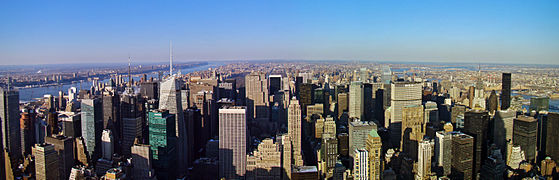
pixel 29 94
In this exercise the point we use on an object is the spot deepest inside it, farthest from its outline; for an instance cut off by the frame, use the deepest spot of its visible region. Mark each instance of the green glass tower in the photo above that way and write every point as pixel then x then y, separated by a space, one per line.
pixel 162 140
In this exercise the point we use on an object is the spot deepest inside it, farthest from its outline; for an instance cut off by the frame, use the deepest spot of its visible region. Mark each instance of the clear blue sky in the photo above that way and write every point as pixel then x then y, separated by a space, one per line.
pixel 51 32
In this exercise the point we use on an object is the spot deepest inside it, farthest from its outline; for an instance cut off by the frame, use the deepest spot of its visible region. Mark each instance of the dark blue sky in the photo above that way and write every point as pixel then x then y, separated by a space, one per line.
pixel 51 32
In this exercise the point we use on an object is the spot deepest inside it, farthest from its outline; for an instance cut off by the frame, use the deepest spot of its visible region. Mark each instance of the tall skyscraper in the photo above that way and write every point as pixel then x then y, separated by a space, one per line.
pixel 356 105
pixel 107 144
pixel 232 141
pixel 493 102
pixel 539 104
pixel 170 99
pixel 306 94
pixel 358 134
pixel 131 113
pixel 476 124
pixel 552 136
pixel 295 130
pixel 92 126
pixel 413 129
pixel 163 142
pixel 443 151
pixel 374 147
pixel 64 147
pixel 275 83
pixel 505 91
pixel 342 103
pixel 403 94
pixel 361 164
pixel 27 123
pixel 142 161
pixel 386 74
pixel 256 86
pixel 46 162
pixel 424 156
pixel 525 133
pixel 462 156
pixel 9 118
pixel 502 130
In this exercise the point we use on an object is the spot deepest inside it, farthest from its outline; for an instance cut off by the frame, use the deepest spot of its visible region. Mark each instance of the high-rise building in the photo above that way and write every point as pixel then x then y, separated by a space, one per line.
pixel 403 94
pixel 386 75
pixel 342 103
pixel 328 156
pixel 552 136
pixel 256 86
pixel 462 156
pixel 232 141
pixel 476 124
pixel 131 115
pixel 306 94
pixel 275 83
pixel 525 133
pixel 356 105
pixel 71 124
pixel 92 126
pixel 64 147
pixel 502 129
pixel 493 102
pixel 343 144
pixel 9 118
pixel 361 164
pixel 170 99
pixel 358 133
pixel 163 142
pixel 265 161
pixel 27 123
pixel 111 113
pixel 539 104
pixel 374 148
pixel 443 151
pixel 107 144
pixel 142 161
pixel 46 162
pixel 294 130
pixel 505 91
pixel 424 157
pixel 413 129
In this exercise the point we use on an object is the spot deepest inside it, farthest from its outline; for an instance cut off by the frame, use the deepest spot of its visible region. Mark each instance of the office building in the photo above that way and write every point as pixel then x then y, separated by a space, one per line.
pixel 424 156
pixel 505 91
pixel 525 133
pixel 142 161
pixel 356 104
pixel 107 144
pixel 170 99
pixel 502 129
pixel 552 136
pixel 462 156
pixel 413 129
pixel 294 130
pixel 539 104
pixel 232 141
pixel 358 133
pixel 64 147
pixel 27 122
pixel 361 164
pixel 92 126
pixel 476 124
pixel 374 148
pixel 443 151
pixel 46 162
pixel 163 142
pixel 256 86
pixel 403 94
pixel 9 118
pixel 342 103
pixel 275 83
pixel 131 112
pixel 265 161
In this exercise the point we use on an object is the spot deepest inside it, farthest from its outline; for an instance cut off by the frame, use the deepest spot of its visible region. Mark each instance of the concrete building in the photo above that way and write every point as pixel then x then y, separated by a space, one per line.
pixel 142 161
pixel 425 155
pixel 502 130
pixel 265 161
pixel 402 94
pixel 443 151
pixel 358 133
pixel 413 129
pixel 232 141
pixel 356 104
pixel 463 156
pixel 46 162
pixel 64 147
pixel 361 164
pixel 374 147
pixel 256 86
pixel 525 133
pixel 505 91
pixel 476 124
pixel 295 130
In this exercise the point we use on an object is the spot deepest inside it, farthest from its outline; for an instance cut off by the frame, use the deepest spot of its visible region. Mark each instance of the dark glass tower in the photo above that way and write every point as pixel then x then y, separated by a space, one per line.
pixel 162 140
pixel 505 91
pixel 476 124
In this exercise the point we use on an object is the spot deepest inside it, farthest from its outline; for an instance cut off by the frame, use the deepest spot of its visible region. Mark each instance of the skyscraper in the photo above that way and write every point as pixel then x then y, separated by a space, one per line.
pixel 386 74
pixel 358 133
pixel 27 123
pixel 294 130
pixel 170 99
pixel 9 118
pixel 163 142
pixel 131 113
pixel 356 105
pixel 374 148
pixel 142 161
pixel 265 161
pixel 342 103
pixel 361 164
pixel 476 124
pixel 505 91
pixel 443 151
pixel 403 94
pixel 107 144
pixel 413 129
pixel 256 86
pixel 552 136
pixel 525 133
pixel 462 156
pixel 502 130
pixel 232 141
pixel 92 126
pixel 424 156
pixel 64 148
pixel 539 104
pixel 275 83
pixel 46 162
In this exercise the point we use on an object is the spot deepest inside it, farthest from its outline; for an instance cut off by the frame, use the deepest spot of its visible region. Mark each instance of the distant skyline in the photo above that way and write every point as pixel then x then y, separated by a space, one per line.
pixel 58 32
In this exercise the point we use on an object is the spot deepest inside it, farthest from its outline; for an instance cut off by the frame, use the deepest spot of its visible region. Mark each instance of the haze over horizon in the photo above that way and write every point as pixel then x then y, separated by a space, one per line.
pixel 516 32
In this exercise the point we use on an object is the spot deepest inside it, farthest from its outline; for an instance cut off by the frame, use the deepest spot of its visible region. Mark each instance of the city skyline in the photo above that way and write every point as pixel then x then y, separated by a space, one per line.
pixel 486 32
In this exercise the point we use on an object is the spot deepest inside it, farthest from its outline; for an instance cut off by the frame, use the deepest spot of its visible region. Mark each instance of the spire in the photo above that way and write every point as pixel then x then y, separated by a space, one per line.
pixel 170 58
pixel 129 77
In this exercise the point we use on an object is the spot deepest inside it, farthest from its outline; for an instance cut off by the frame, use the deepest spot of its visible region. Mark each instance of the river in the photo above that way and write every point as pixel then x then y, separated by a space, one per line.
pixel 29 94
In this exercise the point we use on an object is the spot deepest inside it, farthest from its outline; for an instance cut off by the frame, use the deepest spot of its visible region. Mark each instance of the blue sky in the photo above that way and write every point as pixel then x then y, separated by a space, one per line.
pixel 52 32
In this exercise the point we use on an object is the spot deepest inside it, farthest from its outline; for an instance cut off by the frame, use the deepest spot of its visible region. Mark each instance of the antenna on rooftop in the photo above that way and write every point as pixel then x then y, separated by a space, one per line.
pixel 129 77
